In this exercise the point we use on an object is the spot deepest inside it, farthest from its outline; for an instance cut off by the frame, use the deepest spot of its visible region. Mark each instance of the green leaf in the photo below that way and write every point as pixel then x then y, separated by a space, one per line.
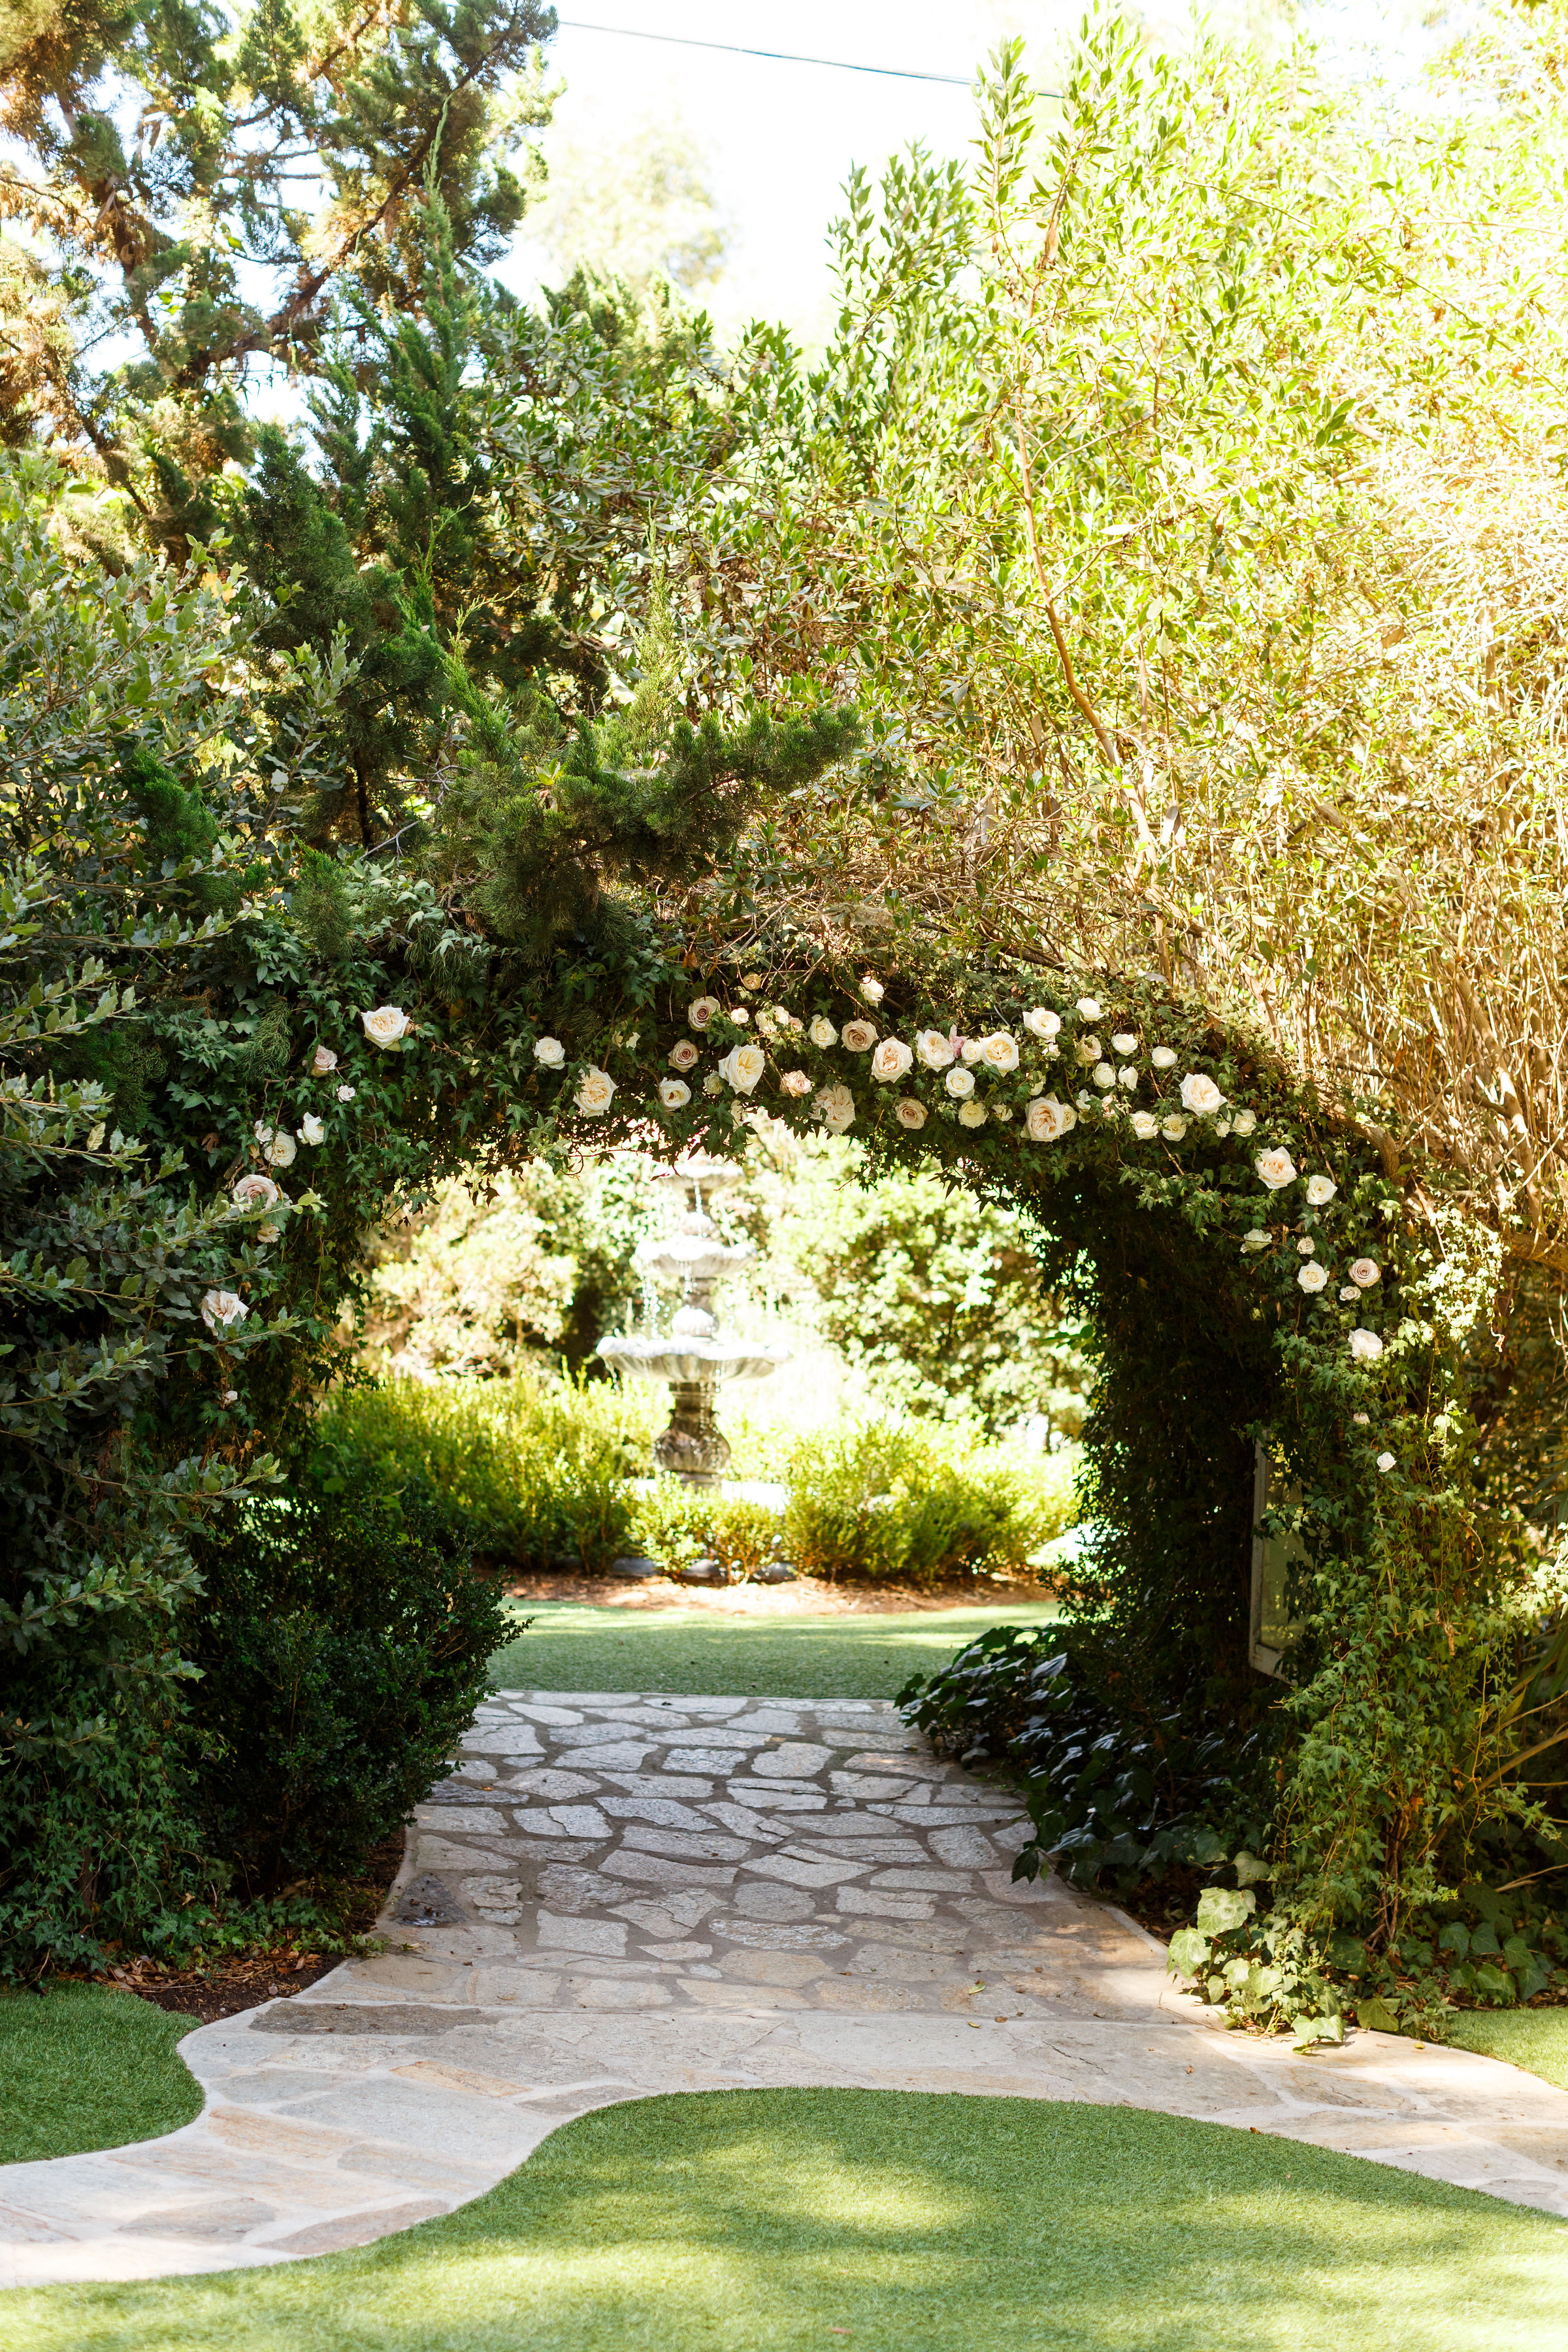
pixel 1222 1908
pixel 1375 2015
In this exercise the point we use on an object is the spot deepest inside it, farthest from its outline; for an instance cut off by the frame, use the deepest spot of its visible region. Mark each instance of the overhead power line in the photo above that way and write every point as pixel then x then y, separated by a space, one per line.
pixel 775 56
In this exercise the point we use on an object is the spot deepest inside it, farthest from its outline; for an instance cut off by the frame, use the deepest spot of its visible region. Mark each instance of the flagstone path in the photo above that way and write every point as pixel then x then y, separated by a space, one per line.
pixel 616 1897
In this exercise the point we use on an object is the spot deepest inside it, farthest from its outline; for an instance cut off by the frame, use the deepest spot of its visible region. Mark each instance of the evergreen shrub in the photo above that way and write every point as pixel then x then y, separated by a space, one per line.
pixel 913 1502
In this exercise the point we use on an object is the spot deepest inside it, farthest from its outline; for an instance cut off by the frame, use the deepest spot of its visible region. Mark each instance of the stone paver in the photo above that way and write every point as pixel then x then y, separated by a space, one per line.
pixel 614 1896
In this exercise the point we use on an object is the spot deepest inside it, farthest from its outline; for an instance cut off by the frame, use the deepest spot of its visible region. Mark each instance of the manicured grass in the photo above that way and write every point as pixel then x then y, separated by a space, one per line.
pixel 573 1647
pixel 83 2068
pixel 1535 2038
pixel 767 2220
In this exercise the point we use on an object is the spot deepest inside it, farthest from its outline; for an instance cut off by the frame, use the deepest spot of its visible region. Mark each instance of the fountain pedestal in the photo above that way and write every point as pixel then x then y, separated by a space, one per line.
pixel 694 1358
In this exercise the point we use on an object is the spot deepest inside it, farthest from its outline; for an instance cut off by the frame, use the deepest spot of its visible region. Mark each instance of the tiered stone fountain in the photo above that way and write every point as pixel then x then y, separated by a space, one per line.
pixel 695 1358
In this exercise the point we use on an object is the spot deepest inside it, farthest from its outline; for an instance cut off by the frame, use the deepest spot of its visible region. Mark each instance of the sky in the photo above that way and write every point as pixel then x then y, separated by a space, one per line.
pixel 782 137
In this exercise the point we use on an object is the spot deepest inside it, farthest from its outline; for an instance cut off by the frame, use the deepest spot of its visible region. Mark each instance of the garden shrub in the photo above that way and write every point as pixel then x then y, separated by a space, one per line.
pixel 676 1524
pixel 904 1501
pixel 344 1641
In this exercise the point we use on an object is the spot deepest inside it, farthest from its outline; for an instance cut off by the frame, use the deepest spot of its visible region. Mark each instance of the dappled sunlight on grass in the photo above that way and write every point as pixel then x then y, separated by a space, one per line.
pixel 898 2221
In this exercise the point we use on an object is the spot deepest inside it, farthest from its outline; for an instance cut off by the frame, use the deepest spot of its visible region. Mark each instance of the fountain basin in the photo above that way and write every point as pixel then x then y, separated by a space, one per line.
pixel 691 1361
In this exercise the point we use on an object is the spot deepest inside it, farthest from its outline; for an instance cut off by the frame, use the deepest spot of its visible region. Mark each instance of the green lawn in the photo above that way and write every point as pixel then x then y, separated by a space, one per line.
pixel 83 2068
pixel 573 1647
pixel 1535 2038
pixel 762 2221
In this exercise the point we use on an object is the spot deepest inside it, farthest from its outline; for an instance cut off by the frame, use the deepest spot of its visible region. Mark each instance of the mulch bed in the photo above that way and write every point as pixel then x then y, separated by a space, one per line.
pixel 225 1986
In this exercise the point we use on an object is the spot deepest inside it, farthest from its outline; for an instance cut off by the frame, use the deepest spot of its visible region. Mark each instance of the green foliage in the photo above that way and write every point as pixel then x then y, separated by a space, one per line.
pixel 676 1524
pixel 342 1643
pixel 913 1504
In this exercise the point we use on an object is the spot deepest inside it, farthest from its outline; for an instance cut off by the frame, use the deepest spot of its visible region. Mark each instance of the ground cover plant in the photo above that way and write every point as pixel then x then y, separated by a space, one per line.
pixel 791 2218
pixel 82 2068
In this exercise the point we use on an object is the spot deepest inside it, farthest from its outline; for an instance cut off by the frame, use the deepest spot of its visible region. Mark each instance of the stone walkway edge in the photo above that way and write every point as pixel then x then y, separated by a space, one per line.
pixel 617 1895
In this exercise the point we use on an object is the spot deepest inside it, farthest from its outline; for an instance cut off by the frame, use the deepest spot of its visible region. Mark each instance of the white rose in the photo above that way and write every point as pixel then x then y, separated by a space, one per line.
pixel 751 980
pixel 683 1055
pixel 1349 1294
pixel 1201 1095
pixel 1041 1022
pixel 934 1048
pixel 549 1052
pixel 323 1062
pixel 1127 1076
pixel 1361 1419
pixel 1175 1128
pixel 1276 1168
pixel 1088 1051
pixel 713 1084
pixel 674 1093
pixel 1307 1245
pixel 231 1396
pixel 1124 1042
pixel 741 1067
pixel 785 1018
pixel 1090 1007
pixel 892 1059
pixel 1145 1126
pixel 1104 1075
pixel 1258 1239
pixel 1364 1272
pixel 908 1113
pixel 1004 1111
pixel 1045 1119
pixel 257 1192
pixel 279 1148
pixel 1164 1057
pixel 311 1132
pixel 593 1091
pixel 960 1083
pixel 1000 1050
pixel 1385 1462
pixel 972 1114
pixel 836 1107
pixel 345 1093
pixel 1086 1101
pixel 1245 1122
pixel 1110 1106
pixel 1320 1190
pixel 872 990
pixel 823 1033
pixel 738 1014
pixel 701 1011
pixel 1365 1346
pixel 860 1036
pixel 970 1050
pixel 795 1082
pixel 1222 1127
pixel 223 1307
pixel 1313 1276
pixel 386 1026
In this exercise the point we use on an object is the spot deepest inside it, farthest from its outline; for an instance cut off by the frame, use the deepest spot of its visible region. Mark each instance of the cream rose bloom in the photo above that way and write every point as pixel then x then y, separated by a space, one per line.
pixel 683 1055
pixel 713 1084
pixel 934 1048
pixel 970 1050
pixel 1041 1022
pixel 595 1089
pixel 674 1093
pixel 910 1113
pixel 1104 1075
pixel 221 1308
pixel 872 990
pixel 1276 1168
pixel 1164 1057
pixel 549 1052
pixel 999 1050
pixel 1320 1190
pixel 823 1033
pixel 1090 1007
pixel 1004 1111
pixel 1365 1346
pixel 1258 1239
pixel 1201 1095
pixel 836 1107
pixel 960 1083
pixel 1128 1076
pixel 1145 1126
pixel 345 1093
pixel 972 1114
pixel 860 1036
pixel 892 1059
pixel 1124 1042
pixel 311 1132
pixel 1046 1120
pixel 386 1026
pixel 751 980
pixel 1307 1245
pixel 324 1062
pixel 279 1148
pixel 1088 1051
pixel 701 1011
pixel 1175 1128
pixel 1364 1272
pixel 795 1082
pixel 1385 1462
pixel 741 1067
pixel 1348 1294
pixel 255 1192
pixel 1313 1277
pixel 1245 1122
